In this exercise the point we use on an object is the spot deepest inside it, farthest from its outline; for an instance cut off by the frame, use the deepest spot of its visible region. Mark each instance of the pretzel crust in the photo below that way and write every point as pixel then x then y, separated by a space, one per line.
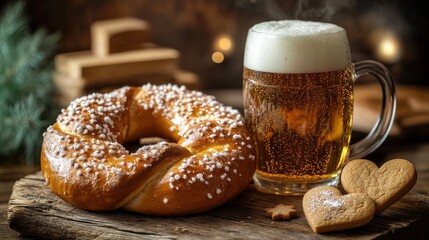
pixel 210 160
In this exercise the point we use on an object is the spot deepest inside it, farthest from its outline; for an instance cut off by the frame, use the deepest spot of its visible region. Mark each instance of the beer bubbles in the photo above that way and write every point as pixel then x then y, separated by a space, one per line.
pixel 298 103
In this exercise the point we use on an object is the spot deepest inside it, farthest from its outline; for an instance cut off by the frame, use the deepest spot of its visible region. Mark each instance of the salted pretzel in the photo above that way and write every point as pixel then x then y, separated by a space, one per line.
pixel 209 161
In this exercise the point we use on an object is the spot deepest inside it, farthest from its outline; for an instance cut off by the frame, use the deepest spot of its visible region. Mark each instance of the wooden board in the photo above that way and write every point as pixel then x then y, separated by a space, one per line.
pixel 67 88
pixel 118 35
pixel 34 210
pixel 100 70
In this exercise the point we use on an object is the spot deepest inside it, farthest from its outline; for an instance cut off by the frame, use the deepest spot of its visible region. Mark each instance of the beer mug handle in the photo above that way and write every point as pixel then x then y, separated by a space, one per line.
pixel 381 129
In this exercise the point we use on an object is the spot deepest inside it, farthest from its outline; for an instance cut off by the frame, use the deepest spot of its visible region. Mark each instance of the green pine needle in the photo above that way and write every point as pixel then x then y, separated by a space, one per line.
pixel 21 124
pixel 26 89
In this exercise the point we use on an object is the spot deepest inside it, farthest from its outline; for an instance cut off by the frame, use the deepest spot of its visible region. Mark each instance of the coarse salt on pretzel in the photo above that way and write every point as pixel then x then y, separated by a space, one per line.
pixel 211 158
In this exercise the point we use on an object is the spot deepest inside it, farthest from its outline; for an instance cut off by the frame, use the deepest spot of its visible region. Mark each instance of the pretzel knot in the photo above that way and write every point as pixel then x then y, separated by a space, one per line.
pixel 211 157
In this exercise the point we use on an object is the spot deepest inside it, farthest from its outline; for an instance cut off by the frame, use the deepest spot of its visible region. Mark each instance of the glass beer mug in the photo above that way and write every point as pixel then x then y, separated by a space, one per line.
pixel 298 101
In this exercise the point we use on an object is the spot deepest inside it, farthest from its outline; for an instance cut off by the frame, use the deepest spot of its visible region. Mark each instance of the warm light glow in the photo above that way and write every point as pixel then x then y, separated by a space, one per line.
pixel 389 49
pixel 217 57
pixel 224 44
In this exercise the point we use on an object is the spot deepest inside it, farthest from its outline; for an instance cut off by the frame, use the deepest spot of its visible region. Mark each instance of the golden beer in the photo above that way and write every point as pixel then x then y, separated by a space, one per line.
pixel 298 103
pixel 301 122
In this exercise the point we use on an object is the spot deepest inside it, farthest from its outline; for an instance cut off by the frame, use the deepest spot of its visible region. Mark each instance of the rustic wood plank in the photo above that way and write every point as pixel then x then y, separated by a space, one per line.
pixel 100 70
pixel 61 60
pixel 8 176
pixel 68 88
pixel 5 231
pixel 117 35
pixel 36 211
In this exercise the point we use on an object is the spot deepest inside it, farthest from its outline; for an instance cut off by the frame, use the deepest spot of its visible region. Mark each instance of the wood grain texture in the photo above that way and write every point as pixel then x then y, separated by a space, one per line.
pixel 36 211
pixel 8 176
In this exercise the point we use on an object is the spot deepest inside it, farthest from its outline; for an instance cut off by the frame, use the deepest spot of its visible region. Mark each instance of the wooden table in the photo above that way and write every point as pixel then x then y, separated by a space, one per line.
pixel 8 176
pixel 418 153
pixel 415 150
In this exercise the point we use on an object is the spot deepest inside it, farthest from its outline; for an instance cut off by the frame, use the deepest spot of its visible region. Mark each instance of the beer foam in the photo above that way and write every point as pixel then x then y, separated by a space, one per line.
pixel 294 46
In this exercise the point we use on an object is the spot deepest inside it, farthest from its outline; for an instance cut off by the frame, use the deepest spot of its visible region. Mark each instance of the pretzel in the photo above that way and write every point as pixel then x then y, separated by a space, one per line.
pixel 210 160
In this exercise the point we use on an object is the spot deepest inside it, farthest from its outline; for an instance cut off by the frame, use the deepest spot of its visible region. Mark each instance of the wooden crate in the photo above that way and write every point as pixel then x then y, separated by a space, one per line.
pixel 122 54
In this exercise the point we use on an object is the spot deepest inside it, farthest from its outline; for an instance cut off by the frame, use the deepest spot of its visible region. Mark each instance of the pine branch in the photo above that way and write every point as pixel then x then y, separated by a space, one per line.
pixel 26 89
pixel 10 25
pixel 22 123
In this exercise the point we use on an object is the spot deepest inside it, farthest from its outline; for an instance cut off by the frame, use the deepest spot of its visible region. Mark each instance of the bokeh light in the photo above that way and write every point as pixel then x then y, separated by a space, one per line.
pixel 388 49
pixel 218 57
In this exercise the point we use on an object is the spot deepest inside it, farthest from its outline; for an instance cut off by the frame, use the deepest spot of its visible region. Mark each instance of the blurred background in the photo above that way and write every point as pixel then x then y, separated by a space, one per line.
pixel 209 36
pixel 393 32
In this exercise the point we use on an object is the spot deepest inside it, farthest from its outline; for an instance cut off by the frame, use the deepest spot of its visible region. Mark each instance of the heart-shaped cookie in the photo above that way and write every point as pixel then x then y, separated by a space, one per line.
pixel 385 185
pixel 326 209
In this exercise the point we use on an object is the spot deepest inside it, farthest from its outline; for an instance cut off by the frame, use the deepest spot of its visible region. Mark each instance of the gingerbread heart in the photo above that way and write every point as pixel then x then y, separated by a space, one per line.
pixel 326 209
pixel 385 185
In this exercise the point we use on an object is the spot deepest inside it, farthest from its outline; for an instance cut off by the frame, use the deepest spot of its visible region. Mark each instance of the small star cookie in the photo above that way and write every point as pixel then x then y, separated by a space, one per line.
pixel 281 212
